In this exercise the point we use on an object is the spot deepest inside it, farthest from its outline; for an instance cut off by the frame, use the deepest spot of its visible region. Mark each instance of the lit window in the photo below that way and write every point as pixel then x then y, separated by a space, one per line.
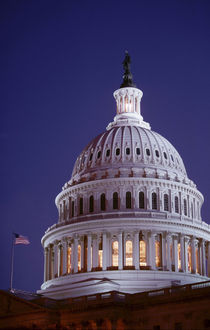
pixel 166 206
pixel 117 151
pixel 143 254
pixel 69 258
pixel 81 205
pixel 100 255
pixel 157 254
pixel 115 201
pixel 189 255
pixel 108 153
pixel 185 207
pixel 128 200
pixel 157 153
pixel 179 256
pixel 79 257
pixel 115 253
pixel 176 204
pixel 129 253
pixel 127 151
pixel 148 152
pixel 103 202
pixel 91 204
pixel 141 200
pixel 154 201
pixel 138 151
pixel 165 155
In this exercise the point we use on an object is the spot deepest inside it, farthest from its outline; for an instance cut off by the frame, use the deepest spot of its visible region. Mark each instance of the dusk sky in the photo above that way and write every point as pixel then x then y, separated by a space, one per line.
pixel 61 61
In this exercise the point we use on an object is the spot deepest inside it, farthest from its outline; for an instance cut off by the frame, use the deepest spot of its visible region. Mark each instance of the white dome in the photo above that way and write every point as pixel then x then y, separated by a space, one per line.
pixel 130 147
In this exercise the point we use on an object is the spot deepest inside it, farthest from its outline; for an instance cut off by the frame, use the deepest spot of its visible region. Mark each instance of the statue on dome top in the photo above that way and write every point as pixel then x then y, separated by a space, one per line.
pixel 127 76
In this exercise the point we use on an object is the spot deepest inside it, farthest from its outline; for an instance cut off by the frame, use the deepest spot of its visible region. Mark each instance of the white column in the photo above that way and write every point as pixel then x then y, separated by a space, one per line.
pixel 175 247
pixel 95 251
pixel 64 242
pixel 182 253
pixel 136 250
pixel 203 258
pixel 152 251
pixel 75 249
pixel 120 257
pixel 186 254
pixel 82 252
pixel 168 239
pixel 46 264
pixel 89 241
pixel 104 256
pixel 163 251
pixel 208 264
pixel 193 249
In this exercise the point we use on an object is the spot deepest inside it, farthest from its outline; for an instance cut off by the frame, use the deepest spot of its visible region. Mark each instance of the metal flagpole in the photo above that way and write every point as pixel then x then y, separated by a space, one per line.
pixel 12 264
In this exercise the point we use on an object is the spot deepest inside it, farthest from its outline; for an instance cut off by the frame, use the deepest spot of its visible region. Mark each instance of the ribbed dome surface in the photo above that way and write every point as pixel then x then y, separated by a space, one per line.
pixel 128 146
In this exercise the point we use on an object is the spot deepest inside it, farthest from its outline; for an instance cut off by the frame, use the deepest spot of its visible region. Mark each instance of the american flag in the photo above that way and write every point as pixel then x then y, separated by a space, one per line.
pixel 19 239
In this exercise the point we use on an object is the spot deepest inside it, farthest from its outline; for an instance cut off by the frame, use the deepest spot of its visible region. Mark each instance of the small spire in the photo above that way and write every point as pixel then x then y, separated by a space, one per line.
pixel 127 76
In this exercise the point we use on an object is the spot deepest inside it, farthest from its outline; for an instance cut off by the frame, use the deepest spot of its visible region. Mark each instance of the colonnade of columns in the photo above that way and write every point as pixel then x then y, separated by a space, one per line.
pixel 144 250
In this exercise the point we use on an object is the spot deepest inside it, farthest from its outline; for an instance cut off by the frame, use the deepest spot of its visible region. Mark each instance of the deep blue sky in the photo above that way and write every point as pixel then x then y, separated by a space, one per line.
pixel 60 63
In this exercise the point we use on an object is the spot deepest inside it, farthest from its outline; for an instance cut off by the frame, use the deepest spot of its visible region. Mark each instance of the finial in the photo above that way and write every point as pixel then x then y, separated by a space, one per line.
pixel 127 76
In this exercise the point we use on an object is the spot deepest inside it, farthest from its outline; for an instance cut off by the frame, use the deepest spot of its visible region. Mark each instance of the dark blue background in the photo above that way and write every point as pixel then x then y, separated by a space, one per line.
pixel 60 63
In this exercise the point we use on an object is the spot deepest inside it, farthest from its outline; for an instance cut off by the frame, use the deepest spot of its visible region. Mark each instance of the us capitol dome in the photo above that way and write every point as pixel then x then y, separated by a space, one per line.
pixel 129 217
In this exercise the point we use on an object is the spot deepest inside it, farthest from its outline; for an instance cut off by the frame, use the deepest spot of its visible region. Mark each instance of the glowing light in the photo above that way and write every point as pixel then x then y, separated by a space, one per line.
pixel 129 253
pixel 115 253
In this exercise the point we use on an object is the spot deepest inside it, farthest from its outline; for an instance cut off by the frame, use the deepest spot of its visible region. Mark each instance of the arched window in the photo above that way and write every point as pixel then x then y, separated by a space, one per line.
pixel 166 206
pixel 185 207
pixel 69 260
pixel 100 255
pixel 129 253
pixel 143 253
pixel 79 257
pixel 115 201
pixel 141 200
pixel 81 205
pixel 128 200
pixel 72 209
pixel 154 201
pixel 115 253
pixel 103 202
pixel 91 204
pixel 157 254
pixel 176 200
pixel 127 150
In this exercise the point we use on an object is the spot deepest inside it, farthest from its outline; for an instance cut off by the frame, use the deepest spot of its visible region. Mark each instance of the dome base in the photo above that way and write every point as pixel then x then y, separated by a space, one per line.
pixel 125 281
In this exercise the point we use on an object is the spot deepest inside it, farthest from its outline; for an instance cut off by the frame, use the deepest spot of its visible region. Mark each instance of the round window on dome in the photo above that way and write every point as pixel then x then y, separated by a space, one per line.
pixel 117 151
pixel 108 153
pixel 99 154
pixel 138 151
pixel 127 151
pixel 148 152
pixel 165 155
pixel 157 153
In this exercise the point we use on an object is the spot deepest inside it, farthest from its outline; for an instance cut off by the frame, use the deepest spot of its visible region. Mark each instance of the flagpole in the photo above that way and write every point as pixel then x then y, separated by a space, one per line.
pixel 12 264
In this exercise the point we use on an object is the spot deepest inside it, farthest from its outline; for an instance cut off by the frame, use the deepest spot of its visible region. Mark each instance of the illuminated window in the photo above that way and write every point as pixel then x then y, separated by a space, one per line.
pixel 129 253
pixel 148 152
pixel 115 253
pixel 79 257
pixel 81 205
pixel 128 200
pixel 189 255
pixel 115 201
pixel 91 204
pixel 117 151
pixel 157 253
pixel 143 253
pixel 72 209
pixel 103 202
pixel 185 207
pixel 179 257
pixel 127 150
pixel 176 204
pixel 154 201
pixel 138 151
pixel 141 200
pixel 100 255
pixel 69 260
pixel 166 206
